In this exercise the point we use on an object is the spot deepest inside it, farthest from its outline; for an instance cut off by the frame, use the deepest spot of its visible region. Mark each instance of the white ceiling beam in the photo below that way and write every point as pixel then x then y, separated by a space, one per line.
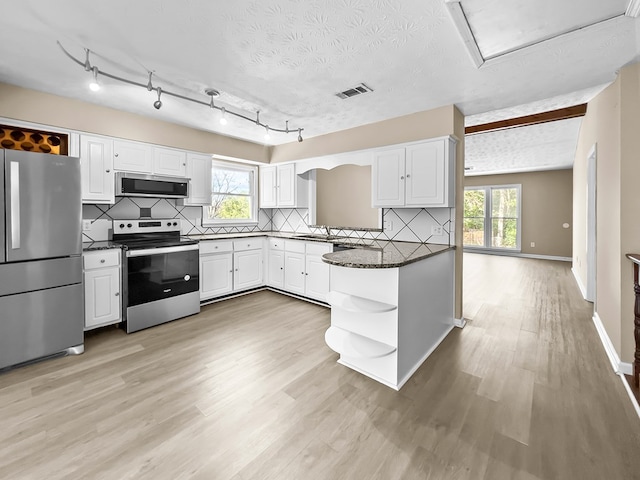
pixel 633 9
pixel 462 25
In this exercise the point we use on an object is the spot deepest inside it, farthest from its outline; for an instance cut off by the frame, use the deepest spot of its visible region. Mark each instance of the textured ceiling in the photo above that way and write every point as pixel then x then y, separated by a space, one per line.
pixel 288 58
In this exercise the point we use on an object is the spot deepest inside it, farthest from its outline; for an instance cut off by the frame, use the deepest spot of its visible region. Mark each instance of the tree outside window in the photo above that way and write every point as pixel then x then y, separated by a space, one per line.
pixel 492 217
pixel 232 195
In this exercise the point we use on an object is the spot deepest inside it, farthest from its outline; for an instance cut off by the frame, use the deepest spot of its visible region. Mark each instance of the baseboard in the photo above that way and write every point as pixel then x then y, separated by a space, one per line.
pixel 606 343
pixel 518 254
pixel 581 286
pixel 459 322
pixel 627 387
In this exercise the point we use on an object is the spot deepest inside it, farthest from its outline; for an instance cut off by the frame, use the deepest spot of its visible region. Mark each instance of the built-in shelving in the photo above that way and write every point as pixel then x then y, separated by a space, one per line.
pixel 356 304
pixel 350 344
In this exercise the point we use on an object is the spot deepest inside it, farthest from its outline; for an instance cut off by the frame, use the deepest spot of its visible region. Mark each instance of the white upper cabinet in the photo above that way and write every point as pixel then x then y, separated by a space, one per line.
pixel 417 175
pixel 388 178
pixel 168 161
pixel 96 159
pixel 280 187
pixel 199 174
pixel 132 156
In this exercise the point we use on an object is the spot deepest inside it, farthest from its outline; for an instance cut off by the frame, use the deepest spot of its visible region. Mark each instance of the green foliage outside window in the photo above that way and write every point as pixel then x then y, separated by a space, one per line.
pixel 501 216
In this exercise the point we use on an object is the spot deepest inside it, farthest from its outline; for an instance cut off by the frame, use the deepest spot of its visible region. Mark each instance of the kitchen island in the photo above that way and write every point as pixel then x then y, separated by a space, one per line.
pixel 391 306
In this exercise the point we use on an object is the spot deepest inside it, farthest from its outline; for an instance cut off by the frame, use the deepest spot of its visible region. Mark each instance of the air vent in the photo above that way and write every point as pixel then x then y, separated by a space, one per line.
pixel 352 92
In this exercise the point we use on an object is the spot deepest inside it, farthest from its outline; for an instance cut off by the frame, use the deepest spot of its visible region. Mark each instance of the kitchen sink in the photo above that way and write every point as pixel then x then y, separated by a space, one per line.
pixel 316 236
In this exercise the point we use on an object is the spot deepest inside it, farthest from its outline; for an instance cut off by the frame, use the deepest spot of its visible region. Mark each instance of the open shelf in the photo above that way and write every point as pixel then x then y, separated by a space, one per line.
pixel 353 345
pixel 355 304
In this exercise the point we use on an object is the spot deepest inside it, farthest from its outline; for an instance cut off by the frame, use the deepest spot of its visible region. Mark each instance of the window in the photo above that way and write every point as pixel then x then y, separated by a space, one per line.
pixel 492 217
pixel 233 195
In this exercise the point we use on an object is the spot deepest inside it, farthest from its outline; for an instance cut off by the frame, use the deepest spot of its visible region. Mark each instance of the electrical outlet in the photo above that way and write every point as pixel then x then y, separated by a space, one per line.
pixel 388 225
pixel 436 230
pixel 533 244
pixel 86 225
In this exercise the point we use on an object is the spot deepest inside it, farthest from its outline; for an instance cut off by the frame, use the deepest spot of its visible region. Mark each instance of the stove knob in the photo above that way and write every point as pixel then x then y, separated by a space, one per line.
pixel 175 224
pixel 122 225
pixel 129 225
pixel 168 224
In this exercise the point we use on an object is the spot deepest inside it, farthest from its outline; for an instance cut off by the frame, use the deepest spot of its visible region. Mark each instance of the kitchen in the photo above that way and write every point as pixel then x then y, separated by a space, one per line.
pixel 158 411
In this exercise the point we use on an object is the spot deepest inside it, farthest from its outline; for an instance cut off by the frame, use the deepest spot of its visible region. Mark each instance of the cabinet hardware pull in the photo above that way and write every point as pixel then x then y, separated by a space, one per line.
pixel 102 261
pixel 116 154
pixel 402 178
pixel 117 294
pixel 408 176
pixel 108 171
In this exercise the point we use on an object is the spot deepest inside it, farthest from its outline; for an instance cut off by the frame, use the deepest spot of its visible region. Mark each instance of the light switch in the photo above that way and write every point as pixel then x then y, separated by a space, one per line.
pixel 86 225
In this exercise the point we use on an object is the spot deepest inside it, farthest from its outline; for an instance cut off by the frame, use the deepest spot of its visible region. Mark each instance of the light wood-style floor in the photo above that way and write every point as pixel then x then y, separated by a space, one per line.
pixel 248 390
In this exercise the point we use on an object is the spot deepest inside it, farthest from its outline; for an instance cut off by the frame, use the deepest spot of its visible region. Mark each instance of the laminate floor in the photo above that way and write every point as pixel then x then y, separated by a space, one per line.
pixel 247 389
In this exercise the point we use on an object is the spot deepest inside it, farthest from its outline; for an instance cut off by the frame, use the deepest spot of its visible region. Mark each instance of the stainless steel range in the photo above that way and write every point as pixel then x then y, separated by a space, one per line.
pixel 160 274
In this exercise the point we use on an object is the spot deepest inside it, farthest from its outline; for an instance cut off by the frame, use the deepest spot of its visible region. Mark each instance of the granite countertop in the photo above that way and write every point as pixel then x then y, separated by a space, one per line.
pixel 99 245
pixel 384 254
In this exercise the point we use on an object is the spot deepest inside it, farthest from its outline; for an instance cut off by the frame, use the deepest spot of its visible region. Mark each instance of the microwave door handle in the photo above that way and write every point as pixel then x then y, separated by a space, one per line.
pixel 14 186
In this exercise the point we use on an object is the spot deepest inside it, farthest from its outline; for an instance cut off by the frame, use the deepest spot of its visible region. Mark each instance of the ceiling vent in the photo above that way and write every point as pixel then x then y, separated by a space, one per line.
pixel 352 92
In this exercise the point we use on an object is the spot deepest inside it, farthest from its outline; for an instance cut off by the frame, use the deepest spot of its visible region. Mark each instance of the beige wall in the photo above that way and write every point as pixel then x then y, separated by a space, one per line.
pixel 343 197
pixel 408 128
pixel 546 203
pixel 37 107
pixel 612 123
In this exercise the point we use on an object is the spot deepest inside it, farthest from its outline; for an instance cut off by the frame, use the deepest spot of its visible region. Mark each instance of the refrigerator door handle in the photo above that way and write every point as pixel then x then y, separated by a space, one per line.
pixel 14 185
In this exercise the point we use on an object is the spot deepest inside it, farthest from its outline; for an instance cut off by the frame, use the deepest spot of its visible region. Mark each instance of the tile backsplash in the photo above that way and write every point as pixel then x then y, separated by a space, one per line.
pixel 402 224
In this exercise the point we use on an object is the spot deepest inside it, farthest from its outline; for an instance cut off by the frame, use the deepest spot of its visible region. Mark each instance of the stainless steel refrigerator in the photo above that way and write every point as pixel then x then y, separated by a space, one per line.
pixel 41 294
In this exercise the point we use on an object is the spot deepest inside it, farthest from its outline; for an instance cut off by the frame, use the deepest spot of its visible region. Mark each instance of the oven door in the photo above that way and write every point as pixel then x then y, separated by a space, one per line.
pixel 159 273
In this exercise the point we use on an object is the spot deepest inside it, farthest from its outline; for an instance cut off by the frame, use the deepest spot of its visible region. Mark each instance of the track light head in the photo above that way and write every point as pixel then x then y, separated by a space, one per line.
pixel 223 118
pixel 299 134
pixel 158 103
pixel 94 85
pixel 266 134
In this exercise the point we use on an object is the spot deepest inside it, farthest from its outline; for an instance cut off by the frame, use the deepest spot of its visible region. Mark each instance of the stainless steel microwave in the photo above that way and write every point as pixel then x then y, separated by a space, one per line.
pixel 158 186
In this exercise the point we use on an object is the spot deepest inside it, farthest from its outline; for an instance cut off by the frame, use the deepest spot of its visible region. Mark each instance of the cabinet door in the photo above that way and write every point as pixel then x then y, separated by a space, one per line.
pixel 247 269
pixel 131 156
pixel 216 275
pixel 268 184
pixel 101 297
pixel 387 178
pixel 286 185
pixel 199 174
pixel 294 276
pixel 316 278
pixel 425 174
pixel 96 160
pixel 171 162
pixel 276 269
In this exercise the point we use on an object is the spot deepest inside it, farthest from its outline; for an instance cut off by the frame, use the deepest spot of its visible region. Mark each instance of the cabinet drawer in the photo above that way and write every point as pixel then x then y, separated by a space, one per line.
pixel 319 248
pixel 296 246
pixel 215 247
pixel 247 244
pixel 101 259
pixel 276 244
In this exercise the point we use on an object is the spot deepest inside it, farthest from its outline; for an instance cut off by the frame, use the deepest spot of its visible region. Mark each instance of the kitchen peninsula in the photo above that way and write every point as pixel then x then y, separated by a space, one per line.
pixel 391 307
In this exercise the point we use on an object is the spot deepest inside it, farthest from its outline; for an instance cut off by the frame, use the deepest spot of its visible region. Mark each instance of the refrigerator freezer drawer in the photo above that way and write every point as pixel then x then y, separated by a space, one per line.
pixel 39 274
pixel 37 324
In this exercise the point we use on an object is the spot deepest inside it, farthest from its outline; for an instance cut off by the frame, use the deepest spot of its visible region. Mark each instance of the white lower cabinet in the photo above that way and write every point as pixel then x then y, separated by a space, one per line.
pixel 102 304
pixel 216 275
pixel 228 266
pixel 275 272
pixel 304 271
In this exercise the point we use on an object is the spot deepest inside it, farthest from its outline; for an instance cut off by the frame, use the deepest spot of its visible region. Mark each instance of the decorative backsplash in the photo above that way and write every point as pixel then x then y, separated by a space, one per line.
pixel 406 224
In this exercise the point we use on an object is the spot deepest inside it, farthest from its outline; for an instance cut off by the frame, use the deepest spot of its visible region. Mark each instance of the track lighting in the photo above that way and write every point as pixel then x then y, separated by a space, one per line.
pixel 158 103
pixel 94 85
pixel 213 93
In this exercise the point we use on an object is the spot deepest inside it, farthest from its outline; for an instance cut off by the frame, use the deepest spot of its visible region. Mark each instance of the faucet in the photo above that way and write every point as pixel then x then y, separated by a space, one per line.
pixel 327 229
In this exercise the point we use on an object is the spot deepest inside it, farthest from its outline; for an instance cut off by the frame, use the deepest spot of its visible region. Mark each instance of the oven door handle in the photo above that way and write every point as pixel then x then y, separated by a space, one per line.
pixel 159 251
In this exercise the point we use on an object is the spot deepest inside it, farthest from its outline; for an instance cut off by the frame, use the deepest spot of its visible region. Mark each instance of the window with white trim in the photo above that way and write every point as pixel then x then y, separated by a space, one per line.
pixel 492 217
pixel 233 195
